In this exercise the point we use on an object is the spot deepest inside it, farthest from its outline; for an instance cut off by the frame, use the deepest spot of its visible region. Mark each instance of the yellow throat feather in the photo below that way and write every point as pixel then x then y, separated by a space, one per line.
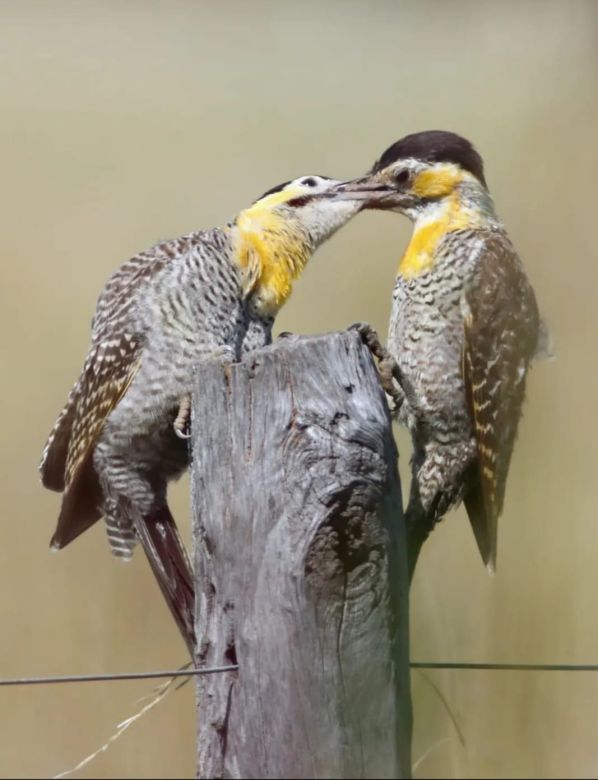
pixel 272 251
pixel 453 215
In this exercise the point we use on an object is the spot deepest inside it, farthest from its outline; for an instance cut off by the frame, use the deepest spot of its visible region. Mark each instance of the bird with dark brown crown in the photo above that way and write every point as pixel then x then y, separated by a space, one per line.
pixel 464 327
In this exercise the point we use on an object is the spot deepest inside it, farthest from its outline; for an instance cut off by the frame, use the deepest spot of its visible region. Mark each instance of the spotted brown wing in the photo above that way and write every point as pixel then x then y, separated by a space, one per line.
pixel 110 366
pixel 55 453
pixel 109 370
pixel 501 333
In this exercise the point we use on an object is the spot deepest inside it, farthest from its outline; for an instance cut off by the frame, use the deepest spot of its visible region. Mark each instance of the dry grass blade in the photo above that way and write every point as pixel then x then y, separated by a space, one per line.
pixel 152 699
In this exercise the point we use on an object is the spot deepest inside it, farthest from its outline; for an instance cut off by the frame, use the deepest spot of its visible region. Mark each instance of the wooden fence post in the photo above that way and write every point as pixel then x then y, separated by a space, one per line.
pixel 301 566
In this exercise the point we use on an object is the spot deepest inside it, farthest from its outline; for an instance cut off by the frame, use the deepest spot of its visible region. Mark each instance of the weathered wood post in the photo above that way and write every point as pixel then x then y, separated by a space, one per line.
pixel 301 566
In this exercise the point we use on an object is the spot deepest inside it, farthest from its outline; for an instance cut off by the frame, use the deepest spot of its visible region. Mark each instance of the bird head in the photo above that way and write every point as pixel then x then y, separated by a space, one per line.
pixel 279 232
pixel 421 171
pixel 309 205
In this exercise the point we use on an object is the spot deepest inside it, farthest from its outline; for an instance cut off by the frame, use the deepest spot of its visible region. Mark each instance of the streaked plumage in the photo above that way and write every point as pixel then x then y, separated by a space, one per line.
pixel 464 327
pixel 113 448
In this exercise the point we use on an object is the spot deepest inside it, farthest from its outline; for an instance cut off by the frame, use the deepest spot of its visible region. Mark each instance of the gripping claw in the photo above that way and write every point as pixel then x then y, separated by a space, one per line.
pixel 181 424
pixel 388 369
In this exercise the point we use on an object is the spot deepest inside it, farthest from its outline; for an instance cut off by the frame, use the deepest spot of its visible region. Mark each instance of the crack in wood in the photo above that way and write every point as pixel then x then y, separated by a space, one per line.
pixel 300 564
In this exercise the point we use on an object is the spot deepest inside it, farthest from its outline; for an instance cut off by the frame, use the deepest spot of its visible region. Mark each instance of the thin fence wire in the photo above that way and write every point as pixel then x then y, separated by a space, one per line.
pixel 506 667
pixel 85 678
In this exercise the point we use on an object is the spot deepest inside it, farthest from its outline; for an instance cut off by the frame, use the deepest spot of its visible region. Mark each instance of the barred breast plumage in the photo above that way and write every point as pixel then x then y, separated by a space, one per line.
pixel 463 336
pixel 113 448
pixel 463 330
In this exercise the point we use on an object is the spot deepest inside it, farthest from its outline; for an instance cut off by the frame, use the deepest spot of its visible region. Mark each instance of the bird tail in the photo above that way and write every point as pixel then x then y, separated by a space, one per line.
pixel 172 569
pixel 419 524
pixel 483 522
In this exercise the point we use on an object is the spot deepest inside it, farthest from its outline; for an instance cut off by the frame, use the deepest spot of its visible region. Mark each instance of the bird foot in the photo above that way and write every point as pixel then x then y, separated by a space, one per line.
pixel 182 422
pixel 225 353
pixel 388 369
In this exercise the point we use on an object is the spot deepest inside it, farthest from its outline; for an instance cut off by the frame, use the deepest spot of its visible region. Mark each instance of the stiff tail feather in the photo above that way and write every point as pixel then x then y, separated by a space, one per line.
pixel 170 563
pixel 483 523
pixel 419 524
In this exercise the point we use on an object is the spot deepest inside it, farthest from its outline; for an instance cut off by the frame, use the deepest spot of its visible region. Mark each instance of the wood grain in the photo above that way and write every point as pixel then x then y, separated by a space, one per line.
pixel 301 566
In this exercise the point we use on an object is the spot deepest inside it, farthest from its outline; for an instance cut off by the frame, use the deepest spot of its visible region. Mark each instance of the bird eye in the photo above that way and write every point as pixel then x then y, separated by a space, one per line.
pixel 309 182
pixel 402 176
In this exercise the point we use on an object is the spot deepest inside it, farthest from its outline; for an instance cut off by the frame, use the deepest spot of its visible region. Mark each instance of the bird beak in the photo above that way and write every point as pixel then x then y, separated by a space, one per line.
pixel 370 189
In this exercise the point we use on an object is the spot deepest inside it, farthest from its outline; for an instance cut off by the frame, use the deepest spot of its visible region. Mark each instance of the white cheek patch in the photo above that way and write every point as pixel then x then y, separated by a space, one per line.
pixel 434 212
pixel 306 187
pixel 323 217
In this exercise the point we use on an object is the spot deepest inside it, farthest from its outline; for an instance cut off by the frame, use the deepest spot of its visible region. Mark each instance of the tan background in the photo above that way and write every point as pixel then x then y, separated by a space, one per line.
pixel 124 122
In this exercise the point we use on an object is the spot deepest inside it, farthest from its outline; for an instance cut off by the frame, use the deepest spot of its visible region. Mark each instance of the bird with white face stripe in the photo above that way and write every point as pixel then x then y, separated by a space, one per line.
pixel 118 440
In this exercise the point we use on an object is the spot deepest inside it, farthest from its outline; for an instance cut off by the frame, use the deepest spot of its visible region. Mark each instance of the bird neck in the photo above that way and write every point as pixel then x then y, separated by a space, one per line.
pixel 271 251
pixel 468 206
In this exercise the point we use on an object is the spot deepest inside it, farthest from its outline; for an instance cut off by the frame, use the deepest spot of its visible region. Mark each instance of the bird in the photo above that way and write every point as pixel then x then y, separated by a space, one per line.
pixel 120 437
pixel 463 330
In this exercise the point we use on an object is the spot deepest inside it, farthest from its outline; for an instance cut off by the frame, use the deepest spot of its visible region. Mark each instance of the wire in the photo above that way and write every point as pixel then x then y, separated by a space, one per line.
pixel 507 667
pixel 83 678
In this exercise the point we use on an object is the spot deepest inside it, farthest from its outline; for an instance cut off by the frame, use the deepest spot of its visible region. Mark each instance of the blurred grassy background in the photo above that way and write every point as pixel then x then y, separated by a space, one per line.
pixel 126 122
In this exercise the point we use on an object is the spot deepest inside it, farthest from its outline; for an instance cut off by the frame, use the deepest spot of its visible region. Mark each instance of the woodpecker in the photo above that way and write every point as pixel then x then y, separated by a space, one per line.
pixel 464 327
pixel 118 440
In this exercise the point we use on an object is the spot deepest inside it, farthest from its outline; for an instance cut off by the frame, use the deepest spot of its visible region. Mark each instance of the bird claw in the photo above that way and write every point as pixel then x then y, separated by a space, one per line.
pixel 396 397
pixel 370 338
pixel 181 424
pixel 225 354
pixel 388 369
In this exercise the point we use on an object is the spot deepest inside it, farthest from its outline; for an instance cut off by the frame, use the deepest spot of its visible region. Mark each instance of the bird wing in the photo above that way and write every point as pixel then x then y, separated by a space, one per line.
pixel 501 333
pixel 56 449
pixel 113 308
pixel 109 354
pixel 109 369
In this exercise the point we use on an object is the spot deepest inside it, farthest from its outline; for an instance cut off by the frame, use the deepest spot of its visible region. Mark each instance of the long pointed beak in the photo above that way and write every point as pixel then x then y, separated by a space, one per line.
pixel 366 188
